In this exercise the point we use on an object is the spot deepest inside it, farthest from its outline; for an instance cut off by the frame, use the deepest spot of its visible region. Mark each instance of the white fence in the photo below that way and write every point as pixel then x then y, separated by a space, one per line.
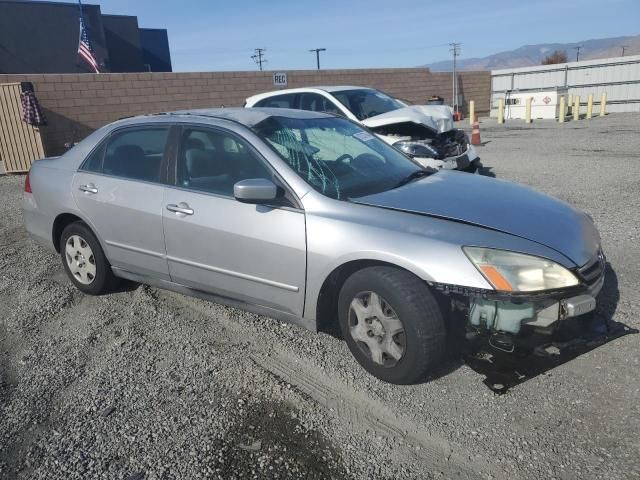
pixel 619 77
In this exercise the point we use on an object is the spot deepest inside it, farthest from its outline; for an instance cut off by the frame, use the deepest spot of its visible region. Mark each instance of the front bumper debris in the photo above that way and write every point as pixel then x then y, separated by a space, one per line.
pixel 491 311
pixel 460 162
pixel 509 317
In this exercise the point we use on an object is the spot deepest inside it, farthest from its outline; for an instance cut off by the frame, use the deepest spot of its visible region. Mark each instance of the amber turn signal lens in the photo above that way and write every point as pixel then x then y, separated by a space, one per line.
pixel 497 280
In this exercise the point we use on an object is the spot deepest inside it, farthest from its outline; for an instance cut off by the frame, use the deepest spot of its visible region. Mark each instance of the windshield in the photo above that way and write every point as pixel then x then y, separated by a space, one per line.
pixel 335 156
pixel 367 103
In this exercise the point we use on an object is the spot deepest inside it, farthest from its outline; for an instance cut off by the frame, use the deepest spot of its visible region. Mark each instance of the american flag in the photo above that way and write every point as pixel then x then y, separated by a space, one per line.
pixel 84 47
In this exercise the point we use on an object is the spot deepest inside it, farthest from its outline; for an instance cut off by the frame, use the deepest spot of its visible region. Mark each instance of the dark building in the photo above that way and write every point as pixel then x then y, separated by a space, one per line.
pixel 42 37
pixel 123 43
pixel 155 49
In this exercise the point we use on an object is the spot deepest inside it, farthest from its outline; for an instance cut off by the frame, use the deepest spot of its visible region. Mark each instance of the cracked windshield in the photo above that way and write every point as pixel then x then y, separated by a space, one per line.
pixel 336 157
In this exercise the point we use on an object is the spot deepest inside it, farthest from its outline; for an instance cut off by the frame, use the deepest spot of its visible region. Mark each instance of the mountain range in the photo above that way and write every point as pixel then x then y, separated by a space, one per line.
pixel 529 55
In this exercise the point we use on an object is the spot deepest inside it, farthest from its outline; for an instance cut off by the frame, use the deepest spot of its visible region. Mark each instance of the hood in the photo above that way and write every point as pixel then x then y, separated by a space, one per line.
pixel 438 118
pixel 499 205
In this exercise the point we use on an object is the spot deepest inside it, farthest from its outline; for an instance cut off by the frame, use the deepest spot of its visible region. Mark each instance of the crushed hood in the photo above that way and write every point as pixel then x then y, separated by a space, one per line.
pixel 497 204
pixel 438 118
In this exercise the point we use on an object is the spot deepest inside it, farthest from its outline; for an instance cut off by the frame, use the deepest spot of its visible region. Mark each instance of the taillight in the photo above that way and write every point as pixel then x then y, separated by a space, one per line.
pixel 27 184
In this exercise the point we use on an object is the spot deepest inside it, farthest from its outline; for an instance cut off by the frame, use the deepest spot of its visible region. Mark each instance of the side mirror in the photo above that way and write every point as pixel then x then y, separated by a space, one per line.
pixel 255 190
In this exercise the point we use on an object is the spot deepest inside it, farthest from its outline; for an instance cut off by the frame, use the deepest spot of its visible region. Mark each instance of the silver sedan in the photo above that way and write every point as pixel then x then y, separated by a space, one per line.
pixel 310 218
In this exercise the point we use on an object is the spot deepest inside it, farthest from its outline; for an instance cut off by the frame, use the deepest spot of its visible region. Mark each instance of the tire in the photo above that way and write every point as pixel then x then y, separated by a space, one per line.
pixel 84 261
pixel 407 357
pixel 474 167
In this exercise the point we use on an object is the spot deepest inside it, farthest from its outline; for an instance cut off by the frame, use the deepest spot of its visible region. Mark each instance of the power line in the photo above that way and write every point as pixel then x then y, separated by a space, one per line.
pixel 624 47
pixel 578 48
pixel 318 50
pixel 258 57
pixel 455 49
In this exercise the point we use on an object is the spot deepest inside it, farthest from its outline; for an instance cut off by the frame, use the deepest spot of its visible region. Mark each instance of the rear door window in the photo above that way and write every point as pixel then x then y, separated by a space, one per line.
pixel 136 154
pixel 317 103
pixel 278 101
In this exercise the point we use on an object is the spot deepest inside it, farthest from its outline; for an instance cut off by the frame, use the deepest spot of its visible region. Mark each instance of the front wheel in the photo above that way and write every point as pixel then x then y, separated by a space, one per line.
pixel 392 324
pixel 474 167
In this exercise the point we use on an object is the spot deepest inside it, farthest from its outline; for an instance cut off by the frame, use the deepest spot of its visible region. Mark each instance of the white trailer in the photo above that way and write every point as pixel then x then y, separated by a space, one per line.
pixel 544 103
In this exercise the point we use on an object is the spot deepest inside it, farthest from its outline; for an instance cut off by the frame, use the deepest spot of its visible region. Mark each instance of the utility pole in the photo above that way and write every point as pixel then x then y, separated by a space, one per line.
pixel 258 57
pixel 318 50
pixel 455 49
pixel 624 47
pixel 578 52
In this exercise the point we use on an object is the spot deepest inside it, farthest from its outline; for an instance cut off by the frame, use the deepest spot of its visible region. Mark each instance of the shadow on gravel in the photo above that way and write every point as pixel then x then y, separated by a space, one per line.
pixel 536 354
pixel 122 286
pixel 268 439
pixel 486 171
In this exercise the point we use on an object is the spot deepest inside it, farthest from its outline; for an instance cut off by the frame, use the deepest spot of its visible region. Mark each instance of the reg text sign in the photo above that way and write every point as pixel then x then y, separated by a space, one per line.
pixel 280 79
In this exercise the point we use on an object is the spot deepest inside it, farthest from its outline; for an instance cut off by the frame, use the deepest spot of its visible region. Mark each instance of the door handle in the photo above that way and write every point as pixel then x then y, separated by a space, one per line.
pixel 182 208
pixel 88 188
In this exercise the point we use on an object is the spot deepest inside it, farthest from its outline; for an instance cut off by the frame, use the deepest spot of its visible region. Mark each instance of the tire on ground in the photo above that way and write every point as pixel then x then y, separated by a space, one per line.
pixel 104 280
pixel 417 309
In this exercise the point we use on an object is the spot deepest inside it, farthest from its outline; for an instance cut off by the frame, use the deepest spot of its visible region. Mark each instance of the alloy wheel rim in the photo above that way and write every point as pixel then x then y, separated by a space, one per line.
pixel 376 329
pixel 80 259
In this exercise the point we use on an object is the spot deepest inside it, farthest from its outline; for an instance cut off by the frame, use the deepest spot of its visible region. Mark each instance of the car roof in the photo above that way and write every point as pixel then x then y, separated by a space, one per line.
pixel 246 116
pixel 340 88
pixel 314 89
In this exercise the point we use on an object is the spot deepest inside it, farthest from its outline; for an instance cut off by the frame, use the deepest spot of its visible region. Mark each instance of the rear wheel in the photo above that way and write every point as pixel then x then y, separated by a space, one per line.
pixel 392 324
pixel 84 261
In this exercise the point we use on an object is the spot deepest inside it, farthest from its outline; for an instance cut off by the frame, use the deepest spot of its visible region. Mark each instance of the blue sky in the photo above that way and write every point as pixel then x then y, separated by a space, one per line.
pixel 221 35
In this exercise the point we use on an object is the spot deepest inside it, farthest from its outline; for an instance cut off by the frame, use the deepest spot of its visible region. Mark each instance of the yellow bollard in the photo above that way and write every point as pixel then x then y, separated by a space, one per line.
pixel 589 105
pixel 569 104
pixel 501 111
pixel 527 112
pixel 603 104
pixel 561 112
pixel 576 107
pixel 472 112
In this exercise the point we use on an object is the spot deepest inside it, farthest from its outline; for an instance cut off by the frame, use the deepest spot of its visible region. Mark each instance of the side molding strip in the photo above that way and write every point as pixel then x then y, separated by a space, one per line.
pixel 151 253
pixel 231 273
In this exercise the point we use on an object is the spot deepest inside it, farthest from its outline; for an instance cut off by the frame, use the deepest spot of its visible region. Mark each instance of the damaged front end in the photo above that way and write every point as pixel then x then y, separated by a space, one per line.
pixel 503 316
pixel 426 134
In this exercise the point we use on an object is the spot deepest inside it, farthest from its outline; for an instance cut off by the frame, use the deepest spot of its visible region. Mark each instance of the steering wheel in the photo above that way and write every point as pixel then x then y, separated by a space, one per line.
pixel 345 159
pixel 372 113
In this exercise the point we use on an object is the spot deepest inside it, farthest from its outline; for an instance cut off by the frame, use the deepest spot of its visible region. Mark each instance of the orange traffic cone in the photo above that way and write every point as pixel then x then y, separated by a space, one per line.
pixel 475 133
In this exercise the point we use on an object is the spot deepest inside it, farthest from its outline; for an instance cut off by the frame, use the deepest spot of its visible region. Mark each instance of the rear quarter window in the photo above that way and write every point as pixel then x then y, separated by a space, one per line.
pixel 93 163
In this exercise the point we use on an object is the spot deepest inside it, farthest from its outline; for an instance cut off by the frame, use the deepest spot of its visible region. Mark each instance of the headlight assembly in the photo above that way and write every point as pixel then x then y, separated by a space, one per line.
pixel 416 149
pixel 517 272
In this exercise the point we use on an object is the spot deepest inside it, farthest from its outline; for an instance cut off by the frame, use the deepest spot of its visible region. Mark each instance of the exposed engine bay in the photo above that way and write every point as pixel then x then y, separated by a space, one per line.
pixel 438 146
pixel 426 134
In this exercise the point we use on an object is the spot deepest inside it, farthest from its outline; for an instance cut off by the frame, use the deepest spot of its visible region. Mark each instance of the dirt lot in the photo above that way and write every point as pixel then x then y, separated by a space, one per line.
pixel 149 384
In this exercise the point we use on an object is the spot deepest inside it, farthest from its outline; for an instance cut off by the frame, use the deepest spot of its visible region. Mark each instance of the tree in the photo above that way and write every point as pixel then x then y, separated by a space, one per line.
pixel 556 57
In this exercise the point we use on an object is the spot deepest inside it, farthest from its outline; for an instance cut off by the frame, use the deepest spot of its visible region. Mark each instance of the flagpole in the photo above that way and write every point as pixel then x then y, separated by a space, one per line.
pixel 81 22
pixel 84 45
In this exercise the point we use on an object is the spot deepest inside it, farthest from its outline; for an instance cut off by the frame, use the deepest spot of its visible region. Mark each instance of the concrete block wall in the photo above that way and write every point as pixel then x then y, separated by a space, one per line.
pixel 76 104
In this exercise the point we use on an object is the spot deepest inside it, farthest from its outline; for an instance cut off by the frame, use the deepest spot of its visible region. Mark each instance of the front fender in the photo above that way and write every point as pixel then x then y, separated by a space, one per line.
pixel 430 248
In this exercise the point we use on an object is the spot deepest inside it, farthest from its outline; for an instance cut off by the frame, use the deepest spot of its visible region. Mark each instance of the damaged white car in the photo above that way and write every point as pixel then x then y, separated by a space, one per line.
pixel 424 132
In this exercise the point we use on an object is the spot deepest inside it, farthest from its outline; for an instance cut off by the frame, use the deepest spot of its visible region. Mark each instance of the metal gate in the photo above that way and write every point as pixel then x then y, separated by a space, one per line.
pixel 20 143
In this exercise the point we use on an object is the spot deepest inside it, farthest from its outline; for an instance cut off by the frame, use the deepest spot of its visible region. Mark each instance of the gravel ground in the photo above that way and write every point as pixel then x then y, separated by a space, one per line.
pixel 149 384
